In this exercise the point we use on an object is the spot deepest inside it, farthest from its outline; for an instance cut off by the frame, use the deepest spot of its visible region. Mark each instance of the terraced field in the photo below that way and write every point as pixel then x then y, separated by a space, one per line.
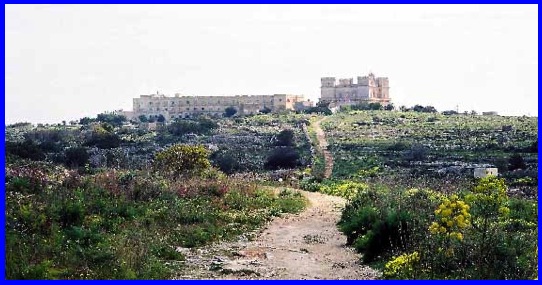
pixel 374 143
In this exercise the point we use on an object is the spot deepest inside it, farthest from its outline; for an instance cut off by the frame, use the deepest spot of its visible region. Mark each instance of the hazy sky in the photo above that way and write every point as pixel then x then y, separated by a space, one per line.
pixel 65 62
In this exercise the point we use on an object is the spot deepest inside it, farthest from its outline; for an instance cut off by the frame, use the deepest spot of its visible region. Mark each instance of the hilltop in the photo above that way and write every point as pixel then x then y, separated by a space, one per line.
pixel 107 198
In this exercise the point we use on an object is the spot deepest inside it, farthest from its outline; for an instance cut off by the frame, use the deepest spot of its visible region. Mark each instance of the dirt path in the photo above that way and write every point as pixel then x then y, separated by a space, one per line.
pixel 322 142
pixel 303 246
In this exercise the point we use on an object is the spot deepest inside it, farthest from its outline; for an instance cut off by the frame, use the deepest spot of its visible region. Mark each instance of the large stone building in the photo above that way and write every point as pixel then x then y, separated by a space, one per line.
pixel 213 106
pixel 368 89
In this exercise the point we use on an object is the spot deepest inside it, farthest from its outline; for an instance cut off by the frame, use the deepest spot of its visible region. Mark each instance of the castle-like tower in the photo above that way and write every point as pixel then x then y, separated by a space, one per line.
pixel 368 89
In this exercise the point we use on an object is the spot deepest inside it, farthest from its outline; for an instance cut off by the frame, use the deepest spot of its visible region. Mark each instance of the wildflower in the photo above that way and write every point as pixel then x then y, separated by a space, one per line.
pixel 451 216
pixel 504 211
pixel 402 266
pixel 434 228
pixel 457 235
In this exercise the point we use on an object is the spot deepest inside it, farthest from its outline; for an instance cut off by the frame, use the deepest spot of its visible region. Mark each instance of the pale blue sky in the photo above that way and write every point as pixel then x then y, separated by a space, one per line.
pixel 65 62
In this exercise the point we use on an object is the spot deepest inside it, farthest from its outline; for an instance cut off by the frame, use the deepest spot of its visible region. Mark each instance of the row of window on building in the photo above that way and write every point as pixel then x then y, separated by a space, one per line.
pixel 199 102
pixel 179 109
pixel 237 102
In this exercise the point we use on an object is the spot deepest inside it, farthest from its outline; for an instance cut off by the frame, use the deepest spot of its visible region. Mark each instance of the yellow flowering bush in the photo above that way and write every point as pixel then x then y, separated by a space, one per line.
pixel 402 266
pixel 345 189
pixel 452 218
pixel 489 198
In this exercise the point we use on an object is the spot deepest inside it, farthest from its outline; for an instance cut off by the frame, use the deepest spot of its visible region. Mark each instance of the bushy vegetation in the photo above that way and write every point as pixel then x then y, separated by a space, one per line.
pixel 479 233
pixel 27 149
pixel 105 200
pixel 123 224
pixel 111 118
pixel 369 106
pixel 346 189
pixel 431 146
pixel 282 158
pixel 321 108
pixel 230 111
pixel 387 162
pixel 103 138
pixel 199 126
pixel 285 138
pixel 242 144
pixel 182 160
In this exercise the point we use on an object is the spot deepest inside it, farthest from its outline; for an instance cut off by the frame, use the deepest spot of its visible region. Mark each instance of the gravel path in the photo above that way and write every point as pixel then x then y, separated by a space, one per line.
pixel 328 158
pixel 302 246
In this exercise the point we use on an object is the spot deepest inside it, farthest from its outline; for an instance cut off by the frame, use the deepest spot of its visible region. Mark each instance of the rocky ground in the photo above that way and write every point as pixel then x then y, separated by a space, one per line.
pixel 307 245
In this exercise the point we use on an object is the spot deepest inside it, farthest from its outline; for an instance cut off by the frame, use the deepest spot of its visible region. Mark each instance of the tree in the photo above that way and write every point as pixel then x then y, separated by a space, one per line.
pixel 182 127
pixel 226 162
pixel 417 108
pixel 206 125
pixel 429 109
pixel 322 107
pixel 230 111
pixel 449 112
pixel 282 157
pixel 265 110
pixel 516 161
pixel 182 160
pixel 103 140
pixel 389 107
pixel 161 118
pixel 76 157
pixel 113 119
pixel 417 152
pixel 285 138
pixel 375 106
pixel 86 121
pixel 20 125
pixel 323 104
pixel 143 118
pixel 106 127
pixel 27 149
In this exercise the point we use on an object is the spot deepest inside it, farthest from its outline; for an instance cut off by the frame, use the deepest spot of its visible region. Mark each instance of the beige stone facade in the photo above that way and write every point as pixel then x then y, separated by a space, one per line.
pixel 214 106
pixel 345 92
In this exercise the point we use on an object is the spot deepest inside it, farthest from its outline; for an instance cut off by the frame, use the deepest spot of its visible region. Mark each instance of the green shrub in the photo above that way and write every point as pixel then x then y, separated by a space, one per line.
pixel 285 138
pixel 345 189
pixel 402 267
pixel 230 111
pixel 180 160
pixel 103 140
pixel 27 149
pixel 482 235
pixel 76 157
pixel 516 161
pixel 309 185
pixel 103 230
pixel 282 158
